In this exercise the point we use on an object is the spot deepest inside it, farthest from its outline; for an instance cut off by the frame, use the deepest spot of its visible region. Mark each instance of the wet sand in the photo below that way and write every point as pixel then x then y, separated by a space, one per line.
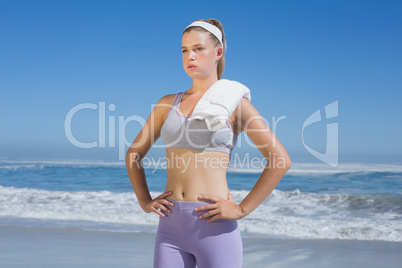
pixel 73 247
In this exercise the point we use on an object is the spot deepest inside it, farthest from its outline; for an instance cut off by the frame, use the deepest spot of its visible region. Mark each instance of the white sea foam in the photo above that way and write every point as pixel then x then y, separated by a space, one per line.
pixel 103 206
pixel 297 169
pixel 64 162
pixel 283 214
pixel 22 166
pixel 308 169
pixel 319 169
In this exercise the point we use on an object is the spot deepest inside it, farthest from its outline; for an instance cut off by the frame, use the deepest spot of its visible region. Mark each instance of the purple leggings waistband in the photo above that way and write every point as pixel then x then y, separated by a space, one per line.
pixel 188 204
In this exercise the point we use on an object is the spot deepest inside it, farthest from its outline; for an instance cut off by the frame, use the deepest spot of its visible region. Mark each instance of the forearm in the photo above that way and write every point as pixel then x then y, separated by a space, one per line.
pixel 137 178
pixel 267 182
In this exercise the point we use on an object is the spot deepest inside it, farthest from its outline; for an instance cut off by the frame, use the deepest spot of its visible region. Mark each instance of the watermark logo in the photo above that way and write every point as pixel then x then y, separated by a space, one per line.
pixel 330 156
pixel 204 161
pixel 101 143
pixel 109 124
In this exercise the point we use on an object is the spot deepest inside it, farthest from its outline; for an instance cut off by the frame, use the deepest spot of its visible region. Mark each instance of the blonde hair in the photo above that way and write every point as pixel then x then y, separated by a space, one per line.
pixel 221 61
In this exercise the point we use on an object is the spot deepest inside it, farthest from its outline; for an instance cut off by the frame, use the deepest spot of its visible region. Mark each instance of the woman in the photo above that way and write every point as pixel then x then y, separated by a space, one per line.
pixel 198 216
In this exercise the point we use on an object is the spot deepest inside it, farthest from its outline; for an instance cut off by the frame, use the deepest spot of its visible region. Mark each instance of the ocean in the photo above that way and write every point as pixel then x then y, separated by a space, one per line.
pixel 312 201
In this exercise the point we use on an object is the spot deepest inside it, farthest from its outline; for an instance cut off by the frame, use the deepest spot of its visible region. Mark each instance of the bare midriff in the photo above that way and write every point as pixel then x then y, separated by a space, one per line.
pixel 191 173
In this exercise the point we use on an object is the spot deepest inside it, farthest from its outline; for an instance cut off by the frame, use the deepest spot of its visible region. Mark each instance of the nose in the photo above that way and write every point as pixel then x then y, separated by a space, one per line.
pixel 191 55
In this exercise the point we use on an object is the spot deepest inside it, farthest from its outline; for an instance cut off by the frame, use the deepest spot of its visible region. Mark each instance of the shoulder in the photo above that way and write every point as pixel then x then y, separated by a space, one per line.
pixel 246 112
pixel 166 101
pixel 242 113
pixel 163 106
pixel 245 106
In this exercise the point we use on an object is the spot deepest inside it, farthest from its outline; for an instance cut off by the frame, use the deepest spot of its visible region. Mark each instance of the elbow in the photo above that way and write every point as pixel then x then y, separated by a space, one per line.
pixel 284 163
pixel 280 162
pixel 132 158
pixel 283 167
pixel 128 160
pixel 128 154
pixel 288 163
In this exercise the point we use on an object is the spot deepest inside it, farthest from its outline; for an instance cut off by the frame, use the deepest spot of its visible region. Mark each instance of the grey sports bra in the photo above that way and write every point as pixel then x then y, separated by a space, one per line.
pixel 178 132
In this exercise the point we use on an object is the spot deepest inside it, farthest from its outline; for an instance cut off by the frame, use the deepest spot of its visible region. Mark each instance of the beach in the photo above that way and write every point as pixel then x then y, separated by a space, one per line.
pixel 32 246
pixel 81 79
pixel 55 214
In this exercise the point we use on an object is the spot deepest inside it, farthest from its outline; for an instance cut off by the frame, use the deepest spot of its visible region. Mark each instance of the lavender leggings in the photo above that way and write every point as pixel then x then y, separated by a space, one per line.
pixel 183 240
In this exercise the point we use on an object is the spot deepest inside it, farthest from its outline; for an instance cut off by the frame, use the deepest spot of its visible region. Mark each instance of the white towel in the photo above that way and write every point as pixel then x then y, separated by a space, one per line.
pixel 219 102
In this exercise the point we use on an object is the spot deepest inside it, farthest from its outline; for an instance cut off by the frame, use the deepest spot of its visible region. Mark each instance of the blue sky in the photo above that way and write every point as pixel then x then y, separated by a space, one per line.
pixel 295 56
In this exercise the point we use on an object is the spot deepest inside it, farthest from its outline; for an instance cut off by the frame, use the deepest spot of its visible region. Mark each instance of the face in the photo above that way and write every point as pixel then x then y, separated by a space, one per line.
pixel 199 51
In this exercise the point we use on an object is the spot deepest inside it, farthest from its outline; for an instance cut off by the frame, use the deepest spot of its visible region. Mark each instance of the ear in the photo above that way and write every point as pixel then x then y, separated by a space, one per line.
pixel 219 53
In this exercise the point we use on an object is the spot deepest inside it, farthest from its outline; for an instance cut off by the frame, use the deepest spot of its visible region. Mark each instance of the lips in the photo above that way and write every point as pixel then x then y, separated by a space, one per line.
pixel 191 66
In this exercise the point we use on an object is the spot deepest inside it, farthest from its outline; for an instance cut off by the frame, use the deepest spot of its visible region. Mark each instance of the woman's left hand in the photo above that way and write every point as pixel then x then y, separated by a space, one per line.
pixel 221 209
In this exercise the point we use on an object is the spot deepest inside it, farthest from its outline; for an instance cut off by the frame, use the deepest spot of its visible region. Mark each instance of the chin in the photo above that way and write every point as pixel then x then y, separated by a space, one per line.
pixel 197 75
pixel 192 75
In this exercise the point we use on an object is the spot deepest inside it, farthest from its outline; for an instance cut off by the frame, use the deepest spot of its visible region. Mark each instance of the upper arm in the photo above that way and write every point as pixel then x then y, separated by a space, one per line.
pixel 253 124
pixel 151 130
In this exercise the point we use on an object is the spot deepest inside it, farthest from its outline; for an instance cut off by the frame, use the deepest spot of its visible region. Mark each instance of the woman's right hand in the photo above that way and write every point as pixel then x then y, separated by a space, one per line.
pixel 159 202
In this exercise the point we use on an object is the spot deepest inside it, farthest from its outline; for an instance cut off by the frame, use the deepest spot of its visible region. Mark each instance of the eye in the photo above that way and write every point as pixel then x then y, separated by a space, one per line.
pixel 184 50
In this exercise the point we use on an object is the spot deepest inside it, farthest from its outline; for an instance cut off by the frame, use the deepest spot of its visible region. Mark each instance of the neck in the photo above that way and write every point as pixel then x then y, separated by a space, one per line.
pixel 202 85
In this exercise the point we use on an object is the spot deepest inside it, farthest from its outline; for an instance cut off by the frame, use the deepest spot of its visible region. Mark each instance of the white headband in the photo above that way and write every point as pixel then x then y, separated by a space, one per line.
pixel 210 28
